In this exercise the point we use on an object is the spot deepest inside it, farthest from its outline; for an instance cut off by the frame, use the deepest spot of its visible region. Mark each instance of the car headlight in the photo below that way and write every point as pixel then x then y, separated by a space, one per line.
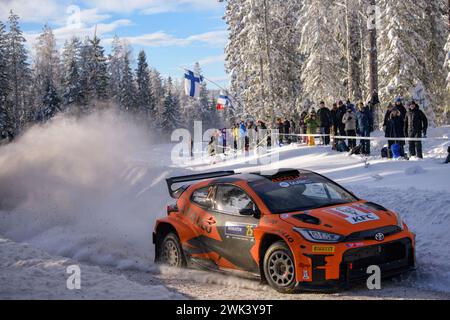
pixel 319 236
pixel 399 220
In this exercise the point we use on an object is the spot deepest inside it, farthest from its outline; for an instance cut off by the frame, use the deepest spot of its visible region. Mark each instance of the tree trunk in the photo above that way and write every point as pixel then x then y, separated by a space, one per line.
pixel 373 64
pixel 353 51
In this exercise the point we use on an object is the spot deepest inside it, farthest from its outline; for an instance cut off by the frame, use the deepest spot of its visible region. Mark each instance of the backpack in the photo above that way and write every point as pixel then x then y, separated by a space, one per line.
pixel 396 151
pixel 341 146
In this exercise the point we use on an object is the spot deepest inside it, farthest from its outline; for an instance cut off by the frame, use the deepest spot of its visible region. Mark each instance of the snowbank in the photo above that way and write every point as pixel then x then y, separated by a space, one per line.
pixel 29 273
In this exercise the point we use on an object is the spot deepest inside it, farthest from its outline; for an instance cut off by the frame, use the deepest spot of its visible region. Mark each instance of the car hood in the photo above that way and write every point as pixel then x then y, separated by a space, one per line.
pixel 343 219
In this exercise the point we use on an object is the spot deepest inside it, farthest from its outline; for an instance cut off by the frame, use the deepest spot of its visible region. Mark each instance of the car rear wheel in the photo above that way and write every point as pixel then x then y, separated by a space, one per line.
pixel 279 268
pixel 171 253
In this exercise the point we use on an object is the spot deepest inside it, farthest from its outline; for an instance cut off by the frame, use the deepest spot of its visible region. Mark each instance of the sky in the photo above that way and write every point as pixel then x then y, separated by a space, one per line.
pixel 173 33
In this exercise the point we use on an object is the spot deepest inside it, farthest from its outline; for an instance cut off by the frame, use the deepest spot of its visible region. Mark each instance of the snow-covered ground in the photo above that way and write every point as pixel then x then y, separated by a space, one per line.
pixel 90 191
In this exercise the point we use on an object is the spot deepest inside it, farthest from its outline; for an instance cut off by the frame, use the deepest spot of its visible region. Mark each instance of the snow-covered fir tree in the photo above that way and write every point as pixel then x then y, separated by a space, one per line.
pixel 46 74
pixel 323 75
pixel 403 65
pixel 157 88
pixel 18 77
pixel 447 86
pixel 115 68
pixel 99 73
pixel 171 109
pixel 261 56
pixel 51 103
pixel 145 101
pixel 4 86
pixel 127 90
pixel 71 85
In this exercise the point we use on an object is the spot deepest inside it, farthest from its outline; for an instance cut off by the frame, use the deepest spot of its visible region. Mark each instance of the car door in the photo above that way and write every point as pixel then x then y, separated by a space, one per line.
pixel 236 230
pixel 197 215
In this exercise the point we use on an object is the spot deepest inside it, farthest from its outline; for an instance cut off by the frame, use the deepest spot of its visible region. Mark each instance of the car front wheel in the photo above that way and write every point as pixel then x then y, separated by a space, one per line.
pixel 279 268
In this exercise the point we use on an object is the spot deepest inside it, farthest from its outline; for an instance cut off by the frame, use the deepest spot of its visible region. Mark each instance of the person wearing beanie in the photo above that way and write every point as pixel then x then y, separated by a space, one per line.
pixel 416 125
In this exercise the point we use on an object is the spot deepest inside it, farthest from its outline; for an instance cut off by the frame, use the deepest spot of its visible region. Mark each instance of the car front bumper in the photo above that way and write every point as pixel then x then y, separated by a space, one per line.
pixel 393 258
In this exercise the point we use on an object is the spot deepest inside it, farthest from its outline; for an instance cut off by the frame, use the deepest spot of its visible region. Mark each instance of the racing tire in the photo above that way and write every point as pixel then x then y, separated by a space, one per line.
pixel 171 253
pixel 279 268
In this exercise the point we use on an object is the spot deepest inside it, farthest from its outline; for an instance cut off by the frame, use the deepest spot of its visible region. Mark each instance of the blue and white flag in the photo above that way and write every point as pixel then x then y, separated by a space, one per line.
pixel 192 84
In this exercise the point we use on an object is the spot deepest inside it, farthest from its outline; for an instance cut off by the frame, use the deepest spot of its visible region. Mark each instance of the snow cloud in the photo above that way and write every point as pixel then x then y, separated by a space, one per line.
pixel 79 188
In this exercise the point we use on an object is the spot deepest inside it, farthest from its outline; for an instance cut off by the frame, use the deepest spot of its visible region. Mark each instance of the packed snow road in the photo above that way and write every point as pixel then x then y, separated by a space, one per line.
pixel 89 191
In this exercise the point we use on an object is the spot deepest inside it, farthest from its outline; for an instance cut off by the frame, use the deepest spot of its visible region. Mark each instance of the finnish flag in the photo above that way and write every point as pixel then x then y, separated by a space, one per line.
pixel 192 84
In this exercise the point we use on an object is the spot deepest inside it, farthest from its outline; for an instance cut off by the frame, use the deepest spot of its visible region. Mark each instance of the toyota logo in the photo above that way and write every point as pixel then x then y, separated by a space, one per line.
pixel 379 236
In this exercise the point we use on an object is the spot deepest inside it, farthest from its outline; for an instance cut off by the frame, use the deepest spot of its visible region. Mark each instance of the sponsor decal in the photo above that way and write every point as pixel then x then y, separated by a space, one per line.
pixel 305 274
pixel 354 245
pixel 243 231
pixel 284 216
pixel 323 249
pixel 287 184
pixel 353 215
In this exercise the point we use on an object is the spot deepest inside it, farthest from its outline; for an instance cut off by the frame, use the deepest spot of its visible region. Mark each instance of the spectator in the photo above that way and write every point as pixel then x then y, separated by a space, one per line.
pixel 396 125
pixel 349 121
pixel 342 110
pixel 280 128
pixel 312 123
pixel 334 130
pixel 235 132
pixel 387 126
pixel 242 135
pixel 286 130
pixel 365 127
pixel 400 107
pixel 416 125
pixel 350 105
pixel 302 126
pixel 324 117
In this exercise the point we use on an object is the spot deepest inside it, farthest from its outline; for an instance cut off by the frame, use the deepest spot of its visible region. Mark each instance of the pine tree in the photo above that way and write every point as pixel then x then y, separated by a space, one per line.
pixel 157 89
pixel 403 66
pixel 261 55
pixel 4 85
pixel 127 92
pixel 98 70
pixel 144 98
pixel 322 74
pixel 46 69
pixel 51 103
pixel 115 67
pixel 171 109
pixel 19 77
pixel 72 93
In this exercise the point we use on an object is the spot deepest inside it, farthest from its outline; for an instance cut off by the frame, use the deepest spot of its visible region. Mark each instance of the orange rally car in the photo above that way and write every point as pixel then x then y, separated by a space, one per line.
pixel 295 229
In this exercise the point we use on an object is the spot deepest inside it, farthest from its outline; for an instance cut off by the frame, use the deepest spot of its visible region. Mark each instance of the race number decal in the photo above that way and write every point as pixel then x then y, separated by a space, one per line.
pixel 354 216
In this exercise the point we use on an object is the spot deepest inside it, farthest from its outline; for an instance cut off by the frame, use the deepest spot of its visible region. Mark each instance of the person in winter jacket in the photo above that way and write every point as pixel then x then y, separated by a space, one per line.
pixel 396 125
pixel 324 117
pixel 242 135
pixel 400 107
pixel 350 105
pixel 287 130
pixel 349 121
pixel 448 156
pixel 416 125
pixel 342 110
pixel 280 127
pixel 364 127
pixel 302 126
pixel 312 123
pixel 386 124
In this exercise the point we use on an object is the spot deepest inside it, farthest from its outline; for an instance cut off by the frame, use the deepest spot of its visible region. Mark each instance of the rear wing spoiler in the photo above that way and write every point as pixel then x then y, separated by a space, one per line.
pixel 195 177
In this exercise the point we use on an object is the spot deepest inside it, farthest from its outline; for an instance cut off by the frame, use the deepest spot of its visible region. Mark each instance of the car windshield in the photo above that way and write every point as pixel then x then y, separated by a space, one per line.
pixel 299 192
